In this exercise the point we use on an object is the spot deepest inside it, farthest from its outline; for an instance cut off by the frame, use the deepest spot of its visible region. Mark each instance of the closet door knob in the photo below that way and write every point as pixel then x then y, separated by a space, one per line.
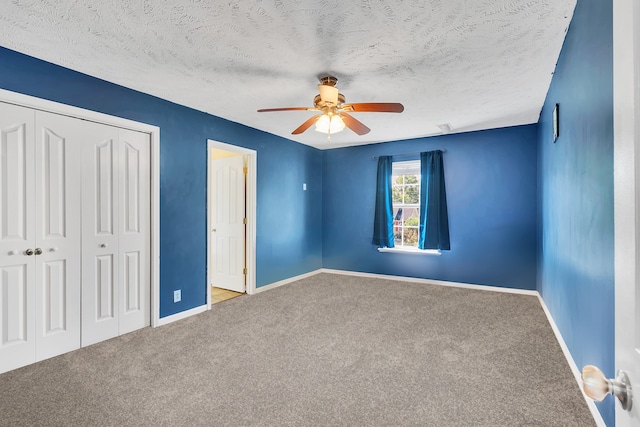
pixel 53 249
pixel 103 245
pixel 13 252
pixel 38 251
pixel 28 252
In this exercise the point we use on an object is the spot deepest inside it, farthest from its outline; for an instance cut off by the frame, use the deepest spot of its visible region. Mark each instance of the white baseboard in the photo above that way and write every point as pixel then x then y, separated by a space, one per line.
pixel 203 308
pixel 565 350
pixel 572 364
pixel 182 315
pixel 432 282
pixel 286 281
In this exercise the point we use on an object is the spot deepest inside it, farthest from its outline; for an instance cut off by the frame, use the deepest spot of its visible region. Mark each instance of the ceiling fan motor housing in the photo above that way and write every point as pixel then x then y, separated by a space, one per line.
pixel 329 80
pixel 320 104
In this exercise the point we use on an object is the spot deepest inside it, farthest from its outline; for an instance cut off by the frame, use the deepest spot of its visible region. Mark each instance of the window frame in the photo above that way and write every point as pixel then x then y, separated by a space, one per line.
pixel 403 168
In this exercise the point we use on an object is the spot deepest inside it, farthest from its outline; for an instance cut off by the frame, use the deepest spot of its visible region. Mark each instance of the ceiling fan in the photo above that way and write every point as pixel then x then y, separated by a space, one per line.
pixel 334 113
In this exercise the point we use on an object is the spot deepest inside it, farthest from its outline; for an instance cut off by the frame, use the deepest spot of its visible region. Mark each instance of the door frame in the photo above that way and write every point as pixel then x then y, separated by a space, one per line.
pixel 250 196
pixel 626 165
pixel 154 133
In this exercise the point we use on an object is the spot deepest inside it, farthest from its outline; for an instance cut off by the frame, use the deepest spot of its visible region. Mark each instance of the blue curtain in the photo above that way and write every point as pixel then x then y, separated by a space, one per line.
pixel 383 219
pixel 434 218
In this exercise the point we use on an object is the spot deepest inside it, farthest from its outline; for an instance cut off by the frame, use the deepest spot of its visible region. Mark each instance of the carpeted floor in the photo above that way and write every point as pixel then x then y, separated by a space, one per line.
pixel 329 350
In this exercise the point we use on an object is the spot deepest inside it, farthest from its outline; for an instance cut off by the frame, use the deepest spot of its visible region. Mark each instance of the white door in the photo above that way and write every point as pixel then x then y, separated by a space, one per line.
pixel 57 234
pixel 135 231
pixel 40 236
pixel 17 236
pixel 227 224
pixel 626 18
pixel 100 222
pixel 116 242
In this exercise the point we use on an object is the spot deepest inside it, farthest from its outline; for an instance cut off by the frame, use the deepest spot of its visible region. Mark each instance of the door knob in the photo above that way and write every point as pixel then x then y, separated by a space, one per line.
pixel 103 245
pixel 28 252
pixel 38 251
pixel 214 230
pixel 13 252
pixel 53 249
pixel 597 386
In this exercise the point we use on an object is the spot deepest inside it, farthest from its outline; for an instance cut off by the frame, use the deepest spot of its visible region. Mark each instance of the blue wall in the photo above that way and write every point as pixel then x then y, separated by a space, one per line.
pixel 491 193
pixel 289 226
pixel 576 248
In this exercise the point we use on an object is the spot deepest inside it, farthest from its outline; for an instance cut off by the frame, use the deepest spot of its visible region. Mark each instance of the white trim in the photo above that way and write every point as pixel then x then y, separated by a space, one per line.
pixel 412 251
pixel 565 350
pixel 287 281
pixel 155 228
pixel 626 201
pixel 154 132
pixel 71 111
pixel 572 364
pixel 182 315
pixel 432 282
pixel 252 185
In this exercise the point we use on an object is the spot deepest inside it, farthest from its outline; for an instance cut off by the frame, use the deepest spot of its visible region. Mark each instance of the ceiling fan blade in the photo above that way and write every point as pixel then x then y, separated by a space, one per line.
pixel 267 110
pixel 306 125
pixel 355 125
pixel 375 107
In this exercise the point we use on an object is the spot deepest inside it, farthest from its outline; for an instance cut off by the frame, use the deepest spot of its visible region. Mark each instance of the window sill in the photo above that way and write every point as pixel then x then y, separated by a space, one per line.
pixel 413 251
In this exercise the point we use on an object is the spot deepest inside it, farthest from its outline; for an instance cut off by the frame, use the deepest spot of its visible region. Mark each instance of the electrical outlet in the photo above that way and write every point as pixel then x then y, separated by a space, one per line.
pixel 177 295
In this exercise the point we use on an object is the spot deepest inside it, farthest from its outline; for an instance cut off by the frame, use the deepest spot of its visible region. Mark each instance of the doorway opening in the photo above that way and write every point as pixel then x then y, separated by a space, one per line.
pixel 231 219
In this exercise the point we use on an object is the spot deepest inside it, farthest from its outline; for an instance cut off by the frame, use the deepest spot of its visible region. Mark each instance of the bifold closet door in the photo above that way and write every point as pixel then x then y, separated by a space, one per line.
pixel 135 230
pixel 17 235
pixel 57 231
pixel 115 233
pixel 39 236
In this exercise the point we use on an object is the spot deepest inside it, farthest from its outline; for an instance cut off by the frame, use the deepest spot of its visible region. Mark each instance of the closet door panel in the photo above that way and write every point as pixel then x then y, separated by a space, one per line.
pixel 135 243
pixel 17 269
pixel 100 224
pixel 58 250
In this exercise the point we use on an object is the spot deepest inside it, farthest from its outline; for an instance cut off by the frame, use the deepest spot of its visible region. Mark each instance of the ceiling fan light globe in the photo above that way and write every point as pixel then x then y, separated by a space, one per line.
pixel 329 124
pixel 337 124
pixel 323 124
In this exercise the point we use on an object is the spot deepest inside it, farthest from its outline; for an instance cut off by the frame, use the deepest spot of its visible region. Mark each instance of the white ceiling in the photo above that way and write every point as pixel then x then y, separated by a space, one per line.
pixel 471 64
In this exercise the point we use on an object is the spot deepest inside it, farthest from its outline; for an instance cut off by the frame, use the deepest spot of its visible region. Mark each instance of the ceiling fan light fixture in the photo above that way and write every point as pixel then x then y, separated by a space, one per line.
pixel 329 124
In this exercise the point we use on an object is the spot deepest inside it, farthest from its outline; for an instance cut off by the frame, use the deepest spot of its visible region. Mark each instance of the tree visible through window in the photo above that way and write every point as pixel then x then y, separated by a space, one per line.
pixel 406 202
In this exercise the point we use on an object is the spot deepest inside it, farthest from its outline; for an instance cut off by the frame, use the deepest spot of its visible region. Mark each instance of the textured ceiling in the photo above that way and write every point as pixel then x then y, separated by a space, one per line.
pixel 469 64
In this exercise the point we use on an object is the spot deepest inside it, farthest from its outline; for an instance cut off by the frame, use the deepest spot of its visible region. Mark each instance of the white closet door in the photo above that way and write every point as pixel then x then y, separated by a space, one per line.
pixel 135 230
pixel 100 224
pixel 227 221
pixel 57 242
pixel 17 234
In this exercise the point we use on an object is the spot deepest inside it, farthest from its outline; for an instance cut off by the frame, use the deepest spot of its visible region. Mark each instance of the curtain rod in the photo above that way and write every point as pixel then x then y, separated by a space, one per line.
pixel 407 154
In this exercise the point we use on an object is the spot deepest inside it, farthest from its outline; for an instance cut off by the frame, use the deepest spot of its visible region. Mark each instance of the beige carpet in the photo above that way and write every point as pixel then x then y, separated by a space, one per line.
pixel 329 350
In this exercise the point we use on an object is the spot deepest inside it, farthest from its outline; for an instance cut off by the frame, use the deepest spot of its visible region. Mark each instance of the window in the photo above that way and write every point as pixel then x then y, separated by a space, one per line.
pixel 406 203
pixel 411 213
